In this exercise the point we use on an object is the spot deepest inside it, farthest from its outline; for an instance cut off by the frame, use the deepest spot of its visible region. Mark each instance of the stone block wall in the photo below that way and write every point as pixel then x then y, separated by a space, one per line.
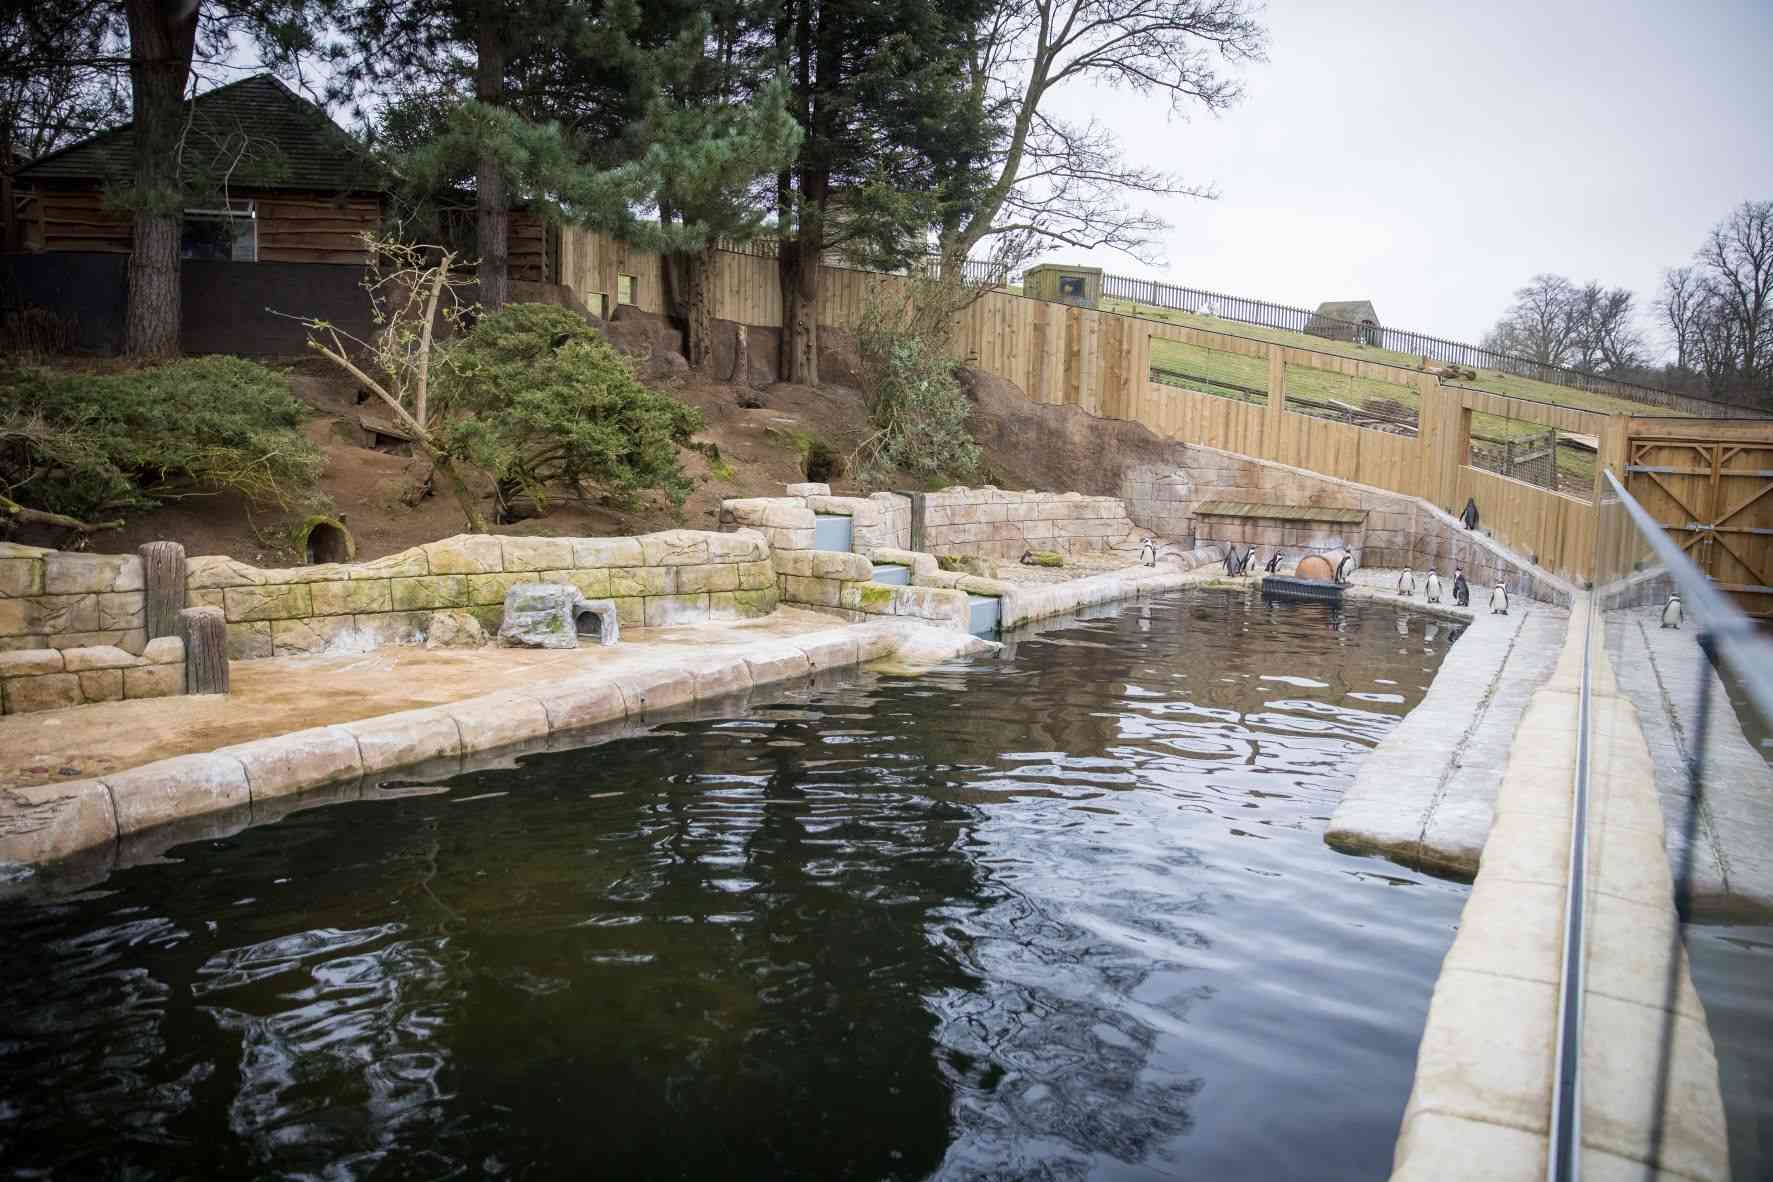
pixel 1400 530
pixel 52 599
pixel 1295 538
pixel 453 592
pixel 1001 523
pixel 50 678
pixel 842 584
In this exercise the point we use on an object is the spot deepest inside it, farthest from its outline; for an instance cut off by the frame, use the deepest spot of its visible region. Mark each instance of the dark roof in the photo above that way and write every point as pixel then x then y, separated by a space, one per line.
pixel 289 143
pixel 1351 311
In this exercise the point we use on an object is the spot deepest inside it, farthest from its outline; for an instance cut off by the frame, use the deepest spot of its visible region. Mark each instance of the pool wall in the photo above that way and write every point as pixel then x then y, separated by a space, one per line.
pixel 1482 1098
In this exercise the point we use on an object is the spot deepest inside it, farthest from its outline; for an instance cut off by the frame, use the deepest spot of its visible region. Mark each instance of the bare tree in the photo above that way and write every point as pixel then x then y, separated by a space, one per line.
pixel 1737 261
pixel 1052 181
pixel 1605 337
pixel 1678 304
pixel 1542 323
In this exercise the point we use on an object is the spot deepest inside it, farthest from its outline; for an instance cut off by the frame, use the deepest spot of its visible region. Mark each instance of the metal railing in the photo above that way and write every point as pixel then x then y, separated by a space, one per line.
pixel 1699 676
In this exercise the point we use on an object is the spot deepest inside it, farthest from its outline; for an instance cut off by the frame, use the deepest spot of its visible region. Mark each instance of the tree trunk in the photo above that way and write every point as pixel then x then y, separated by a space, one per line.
pixel 205 635
pixel 442 468
pixel 491 202
pixel 163 577
pixel 799 271
pixel 162 38
pixel 741 357
pixel 698 309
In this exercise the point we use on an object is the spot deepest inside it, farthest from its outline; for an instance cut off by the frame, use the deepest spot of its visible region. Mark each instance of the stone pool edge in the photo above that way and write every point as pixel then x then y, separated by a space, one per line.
pixel 48 823
pixel 1480 1103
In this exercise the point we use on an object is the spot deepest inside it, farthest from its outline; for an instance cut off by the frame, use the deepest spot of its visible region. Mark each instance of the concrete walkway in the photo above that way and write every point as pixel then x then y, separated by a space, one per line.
pixel 1425 796
pixel 283 694
pixel 1481 1103
pixel 1730 836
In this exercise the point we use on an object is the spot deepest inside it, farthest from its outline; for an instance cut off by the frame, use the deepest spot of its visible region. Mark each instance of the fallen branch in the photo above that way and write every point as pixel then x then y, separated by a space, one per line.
pixel 17 512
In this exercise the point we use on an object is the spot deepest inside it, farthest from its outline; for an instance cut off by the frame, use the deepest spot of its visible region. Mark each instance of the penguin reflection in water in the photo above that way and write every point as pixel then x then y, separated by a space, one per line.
pixel 1671 611
pixel 1461 589
pixel 1499 600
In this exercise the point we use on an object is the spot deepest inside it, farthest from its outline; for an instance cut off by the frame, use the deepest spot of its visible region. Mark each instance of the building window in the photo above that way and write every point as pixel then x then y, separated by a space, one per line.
pixel 228 234
pixel 624 289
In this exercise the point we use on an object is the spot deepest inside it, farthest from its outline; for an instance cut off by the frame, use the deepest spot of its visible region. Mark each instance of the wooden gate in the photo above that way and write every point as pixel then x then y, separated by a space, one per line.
pixel 1710 483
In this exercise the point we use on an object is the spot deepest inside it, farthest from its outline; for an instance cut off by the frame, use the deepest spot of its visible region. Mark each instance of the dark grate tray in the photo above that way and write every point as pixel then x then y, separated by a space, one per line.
pixel 1287 587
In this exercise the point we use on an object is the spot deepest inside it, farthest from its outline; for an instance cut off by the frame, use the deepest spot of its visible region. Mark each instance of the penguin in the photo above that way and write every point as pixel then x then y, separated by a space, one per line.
pixel 1406 583
pixel 1469 518
pixel 1273 566
pixel 1230 560
pixel 1344 567
pixel 1433 588
pixel 1671 611
pixel 1461 589
pixel 1243 568
pixel 1147 553
pixel 1499 600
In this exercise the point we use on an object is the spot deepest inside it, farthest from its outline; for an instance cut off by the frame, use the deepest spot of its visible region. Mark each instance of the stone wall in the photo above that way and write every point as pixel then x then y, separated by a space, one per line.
pixel 1001 523
pixel 50 678
pixel 1294 537
pixel 453 592
pixel 1400 531
pixel 51 599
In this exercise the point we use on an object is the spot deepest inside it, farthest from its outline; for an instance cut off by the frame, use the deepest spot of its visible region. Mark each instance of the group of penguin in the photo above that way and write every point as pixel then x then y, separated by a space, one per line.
pixel 1406 586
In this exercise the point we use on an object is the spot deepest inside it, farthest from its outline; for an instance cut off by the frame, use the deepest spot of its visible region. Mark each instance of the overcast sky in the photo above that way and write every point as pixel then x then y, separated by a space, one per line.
pixel 1432 156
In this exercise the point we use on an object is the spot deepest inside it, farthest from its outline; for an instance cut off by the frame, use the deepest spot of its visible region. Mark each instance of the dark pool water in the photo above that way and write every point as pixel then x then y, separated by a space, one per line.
pixel 1067 914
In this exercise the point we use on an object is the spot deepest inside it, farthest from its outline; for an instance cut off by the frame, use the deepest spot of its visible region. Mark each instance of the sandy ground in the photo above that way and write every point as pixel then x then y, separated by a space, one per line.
pixel 285 694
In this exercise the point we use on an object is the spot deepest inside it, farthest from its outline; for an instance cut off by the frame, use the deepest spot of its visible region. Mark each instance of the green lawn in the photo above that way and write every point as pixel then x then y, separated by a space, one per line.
pixel 1487 379
pixel 1233 375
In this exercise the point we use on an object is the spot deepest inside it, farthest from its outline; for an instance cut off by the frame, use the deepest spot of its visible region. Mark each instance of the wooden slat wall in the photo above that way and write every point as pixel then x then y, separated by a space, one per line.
pixel 1100 362
pixel 294 228
pixel 74 219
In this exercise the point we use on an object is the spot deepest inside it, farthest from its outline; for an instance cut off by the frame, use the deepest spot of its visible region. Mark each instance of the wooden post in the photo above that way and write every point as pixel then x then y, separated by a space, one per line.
pixel 163 577
pixel 1273 423
pixel 205 633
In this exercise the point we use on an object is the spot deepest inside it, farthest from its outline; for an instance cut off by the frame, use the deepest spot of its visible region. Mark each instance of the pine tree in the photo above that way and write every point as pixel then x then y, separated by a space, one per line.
pixel 716 127
pixel 879 92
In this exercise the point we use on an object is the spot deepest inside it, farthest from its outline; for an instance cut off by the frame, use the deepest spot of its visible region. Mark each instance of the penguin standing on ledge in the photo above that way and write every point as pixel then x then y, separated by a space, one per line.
pixel 1273 563
pixel 1243 568
pixel 1469 518
pixel 1434 586
pixel 1147 553
pixel 1499 600
pixel 1461 589
pixel 1406 583
pixel 1671 611
pixel 1345 567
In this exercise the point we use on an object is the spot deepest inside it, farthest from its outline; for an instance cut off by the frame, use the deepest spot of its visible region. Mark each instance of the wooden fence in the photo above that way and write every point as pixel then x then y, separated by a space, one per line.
pixel 1100 362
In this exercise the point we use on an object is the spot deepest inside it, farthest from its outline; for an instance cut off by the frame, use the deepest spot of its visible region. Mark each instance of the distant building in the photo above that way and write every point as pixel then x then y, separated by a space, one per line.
pixel 1066 284
pixel 1345 320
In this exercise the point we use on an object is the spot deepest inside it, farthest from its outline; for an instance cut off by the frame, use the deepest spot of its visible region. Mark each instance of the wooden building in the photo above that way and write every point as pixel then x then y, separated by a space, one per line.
pixel 1064 283
pixel 271 180
pixel 1354 321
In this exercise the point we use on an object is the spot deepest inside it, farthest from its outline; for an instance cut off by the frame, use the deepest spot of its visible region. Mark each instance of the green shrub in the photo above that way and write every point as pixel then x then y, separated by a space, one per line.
pixel 93 446
pixel 536 399
pixel 916 408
